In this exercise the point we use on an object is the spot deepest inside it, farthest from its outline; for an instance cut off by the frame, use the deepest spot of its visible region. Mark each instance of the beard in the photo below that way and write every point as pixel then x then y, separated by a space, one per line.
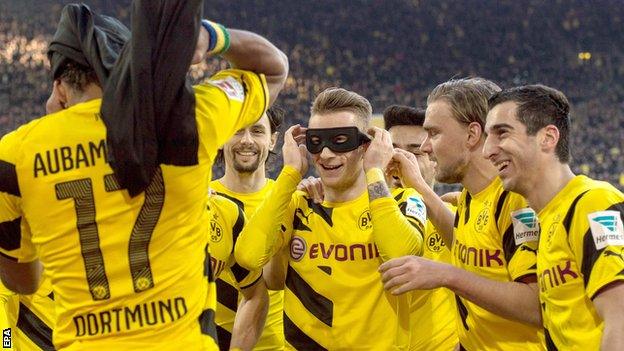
pixel 246 167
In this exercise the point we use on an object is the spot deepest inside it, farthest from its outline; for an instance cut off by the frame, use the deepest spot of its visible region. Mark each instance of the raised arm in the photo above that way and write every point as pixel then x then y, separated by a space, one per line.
pixel 393 234
pixel 437 211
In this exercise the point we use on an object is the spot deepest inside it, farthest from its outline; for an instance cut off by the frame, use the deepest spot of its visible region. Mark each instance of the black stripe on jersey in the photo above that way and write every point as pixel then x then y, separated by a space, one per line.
pixel 462 348
pixel 509 243
pixel 11 234
pixel 456 220
pixel 403 209
pixel 567 221
pixel 239 272
pixel 591 254
pixel 463 312
pixel 224 337
pixel 207 266
pixel 252 283
pixel 34 328
pixel 51 295
pixel 8 257
pixel 325 269
pixel 399 196
pixel 324 212
pixel 238 226
pixel 297 222
pixel 499 205
pixel 207 323
pixel 8 179
pixel 318 305
pixel 233 199
pixel 550 344
pixel 467 210
pixel 297 338
pixel 227 295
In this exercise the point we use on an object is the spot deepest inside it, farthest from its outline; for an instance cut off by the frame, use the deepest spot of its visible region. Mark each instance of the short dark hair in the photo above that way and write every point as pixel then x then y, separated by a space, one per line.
pixel 77 76
pixel 401 115
pixel 538 107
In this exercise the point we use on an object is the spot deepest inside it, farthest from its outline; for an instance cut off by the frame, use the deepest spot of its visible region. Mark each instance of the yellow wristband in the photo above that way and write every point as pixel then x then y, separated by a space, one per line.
pixel 375 175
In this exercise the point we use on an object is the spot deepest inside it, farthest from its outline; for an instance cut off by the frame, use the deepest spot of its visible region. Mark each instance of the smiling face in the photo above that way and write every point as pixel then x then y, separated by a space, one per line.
pixel 338 170
pixel 446 143
pixel 410 138
pixel 514 153
pixel 249 147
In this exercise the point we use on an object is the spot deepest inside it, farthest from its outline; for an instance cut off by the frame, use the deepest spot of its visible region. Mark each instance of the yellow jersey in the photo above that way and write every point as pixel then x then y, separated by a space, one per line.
pixel 581 250
pixel 272 337
pixel 127 273
pixel 226 222
pixel 432 312
pixel 492 242
pixel 334 297
pixel 29 317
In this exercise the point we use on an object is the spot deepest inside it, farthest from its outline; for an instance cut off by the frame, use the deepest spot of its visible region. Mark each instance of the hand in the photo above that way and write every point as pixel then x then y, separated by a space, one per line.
pixel 405 166
pixel 314 187
pixel 294 151
pixel 451 197
pixel 409 273
pixel 201 49
pixel 379 151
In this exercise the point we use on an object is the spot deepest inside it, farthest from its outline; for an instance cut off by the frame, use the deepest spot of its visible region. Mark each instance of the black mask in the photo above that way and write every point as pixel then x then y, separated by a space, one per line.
pixel 336 139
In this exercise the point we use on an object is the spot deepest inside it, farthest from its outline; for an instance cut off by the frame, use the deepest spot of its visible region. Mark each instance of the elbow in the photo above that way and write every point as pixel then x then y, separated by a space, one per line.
pixel 22 287
pixel 246 258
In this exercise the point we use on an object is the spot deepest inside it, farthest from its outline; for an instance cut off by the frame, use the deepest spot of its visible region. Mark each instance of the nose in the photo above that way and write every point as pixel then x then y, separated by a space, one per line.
pixel 425 147
pixel 326 153
pixel 246 138
pixel 490 149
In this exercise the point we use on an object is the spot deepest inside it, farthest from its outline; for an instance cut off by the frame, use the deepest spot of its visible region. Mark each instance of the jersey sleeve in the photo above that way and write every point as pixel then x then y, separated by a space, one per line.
pixel 596 236
pixel 269 229
pixel 399 224
pixel 228 101
pixel 15 237
pixel 519 237
pixel 244 278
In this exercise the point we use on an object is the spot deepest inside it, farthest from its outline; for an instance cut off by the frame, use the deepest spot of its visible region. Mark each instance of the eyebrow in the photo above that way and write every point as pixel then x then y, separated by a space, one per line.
pixel 498 127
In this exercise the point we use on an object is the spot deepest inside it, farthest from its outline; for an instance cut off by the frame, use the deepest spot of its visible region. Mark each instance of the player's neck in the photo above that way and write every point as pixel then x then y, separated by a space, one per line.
pixel 91 92
pixel 244 183
pixel 551 181
pixel 479 174
pixel 338 195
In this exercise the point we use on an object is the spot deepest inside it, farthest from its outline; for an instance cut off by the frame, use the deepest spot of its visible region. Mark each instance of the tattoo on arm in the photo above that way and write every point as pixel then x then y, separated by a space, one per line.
pixel 378 190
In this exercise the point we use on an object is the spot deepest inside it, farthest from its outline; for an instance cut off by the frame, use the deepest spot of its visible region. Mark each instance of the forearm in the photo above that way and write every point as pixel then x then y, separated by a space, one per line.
pixel 22 278
pixel 261 238
pixel 251 52
pixel 393 234
pixel 250 318
pixel 612 337
pixel 512 300
pixel 439 214
pixel 274 273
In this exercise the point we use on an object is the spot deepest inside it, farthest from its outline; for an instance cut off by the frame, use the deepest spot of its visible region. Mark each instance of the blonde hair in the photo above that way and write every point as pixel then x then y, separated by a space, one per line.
pixel 339 100
pixel 467 97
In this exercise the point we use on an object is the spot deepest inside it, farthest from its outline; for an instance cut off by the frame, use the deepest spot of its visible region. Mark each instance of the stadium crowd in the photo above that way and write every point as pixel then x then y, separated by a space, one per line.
pixel 390 52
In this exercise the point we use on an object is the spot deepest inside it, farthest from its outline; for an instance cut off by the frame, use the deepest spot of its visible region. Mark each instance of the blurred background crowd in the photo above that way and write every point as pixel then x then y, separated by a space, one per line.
pixel 390 51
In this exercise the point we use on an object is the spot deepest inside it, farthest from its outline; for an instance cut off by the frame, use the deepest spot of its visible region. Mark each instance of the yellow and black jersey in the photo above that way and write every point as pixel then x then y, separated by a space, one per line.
pixel 9 303
pixel 272 337
pixel 334 297
pixel 226 222
pixel 29 317
pixel 581 250
pixel 128 273
pixel 433 312
pixel 495 237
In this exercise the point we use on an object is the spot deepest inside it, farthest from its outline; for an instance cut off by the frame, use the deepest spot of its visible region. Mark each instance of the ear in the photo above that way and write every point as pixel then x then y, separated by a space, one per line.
pixel 274 137
pixel 548 138
pixel 475 133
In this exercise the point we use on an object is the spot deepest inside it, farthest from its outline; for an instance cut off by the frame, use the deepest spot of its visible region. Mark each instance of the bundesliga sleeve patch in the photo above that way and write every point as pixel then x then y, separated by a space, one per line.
pixel 606 228
pixel 525 226
pixel 231 87
pixel 416 208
